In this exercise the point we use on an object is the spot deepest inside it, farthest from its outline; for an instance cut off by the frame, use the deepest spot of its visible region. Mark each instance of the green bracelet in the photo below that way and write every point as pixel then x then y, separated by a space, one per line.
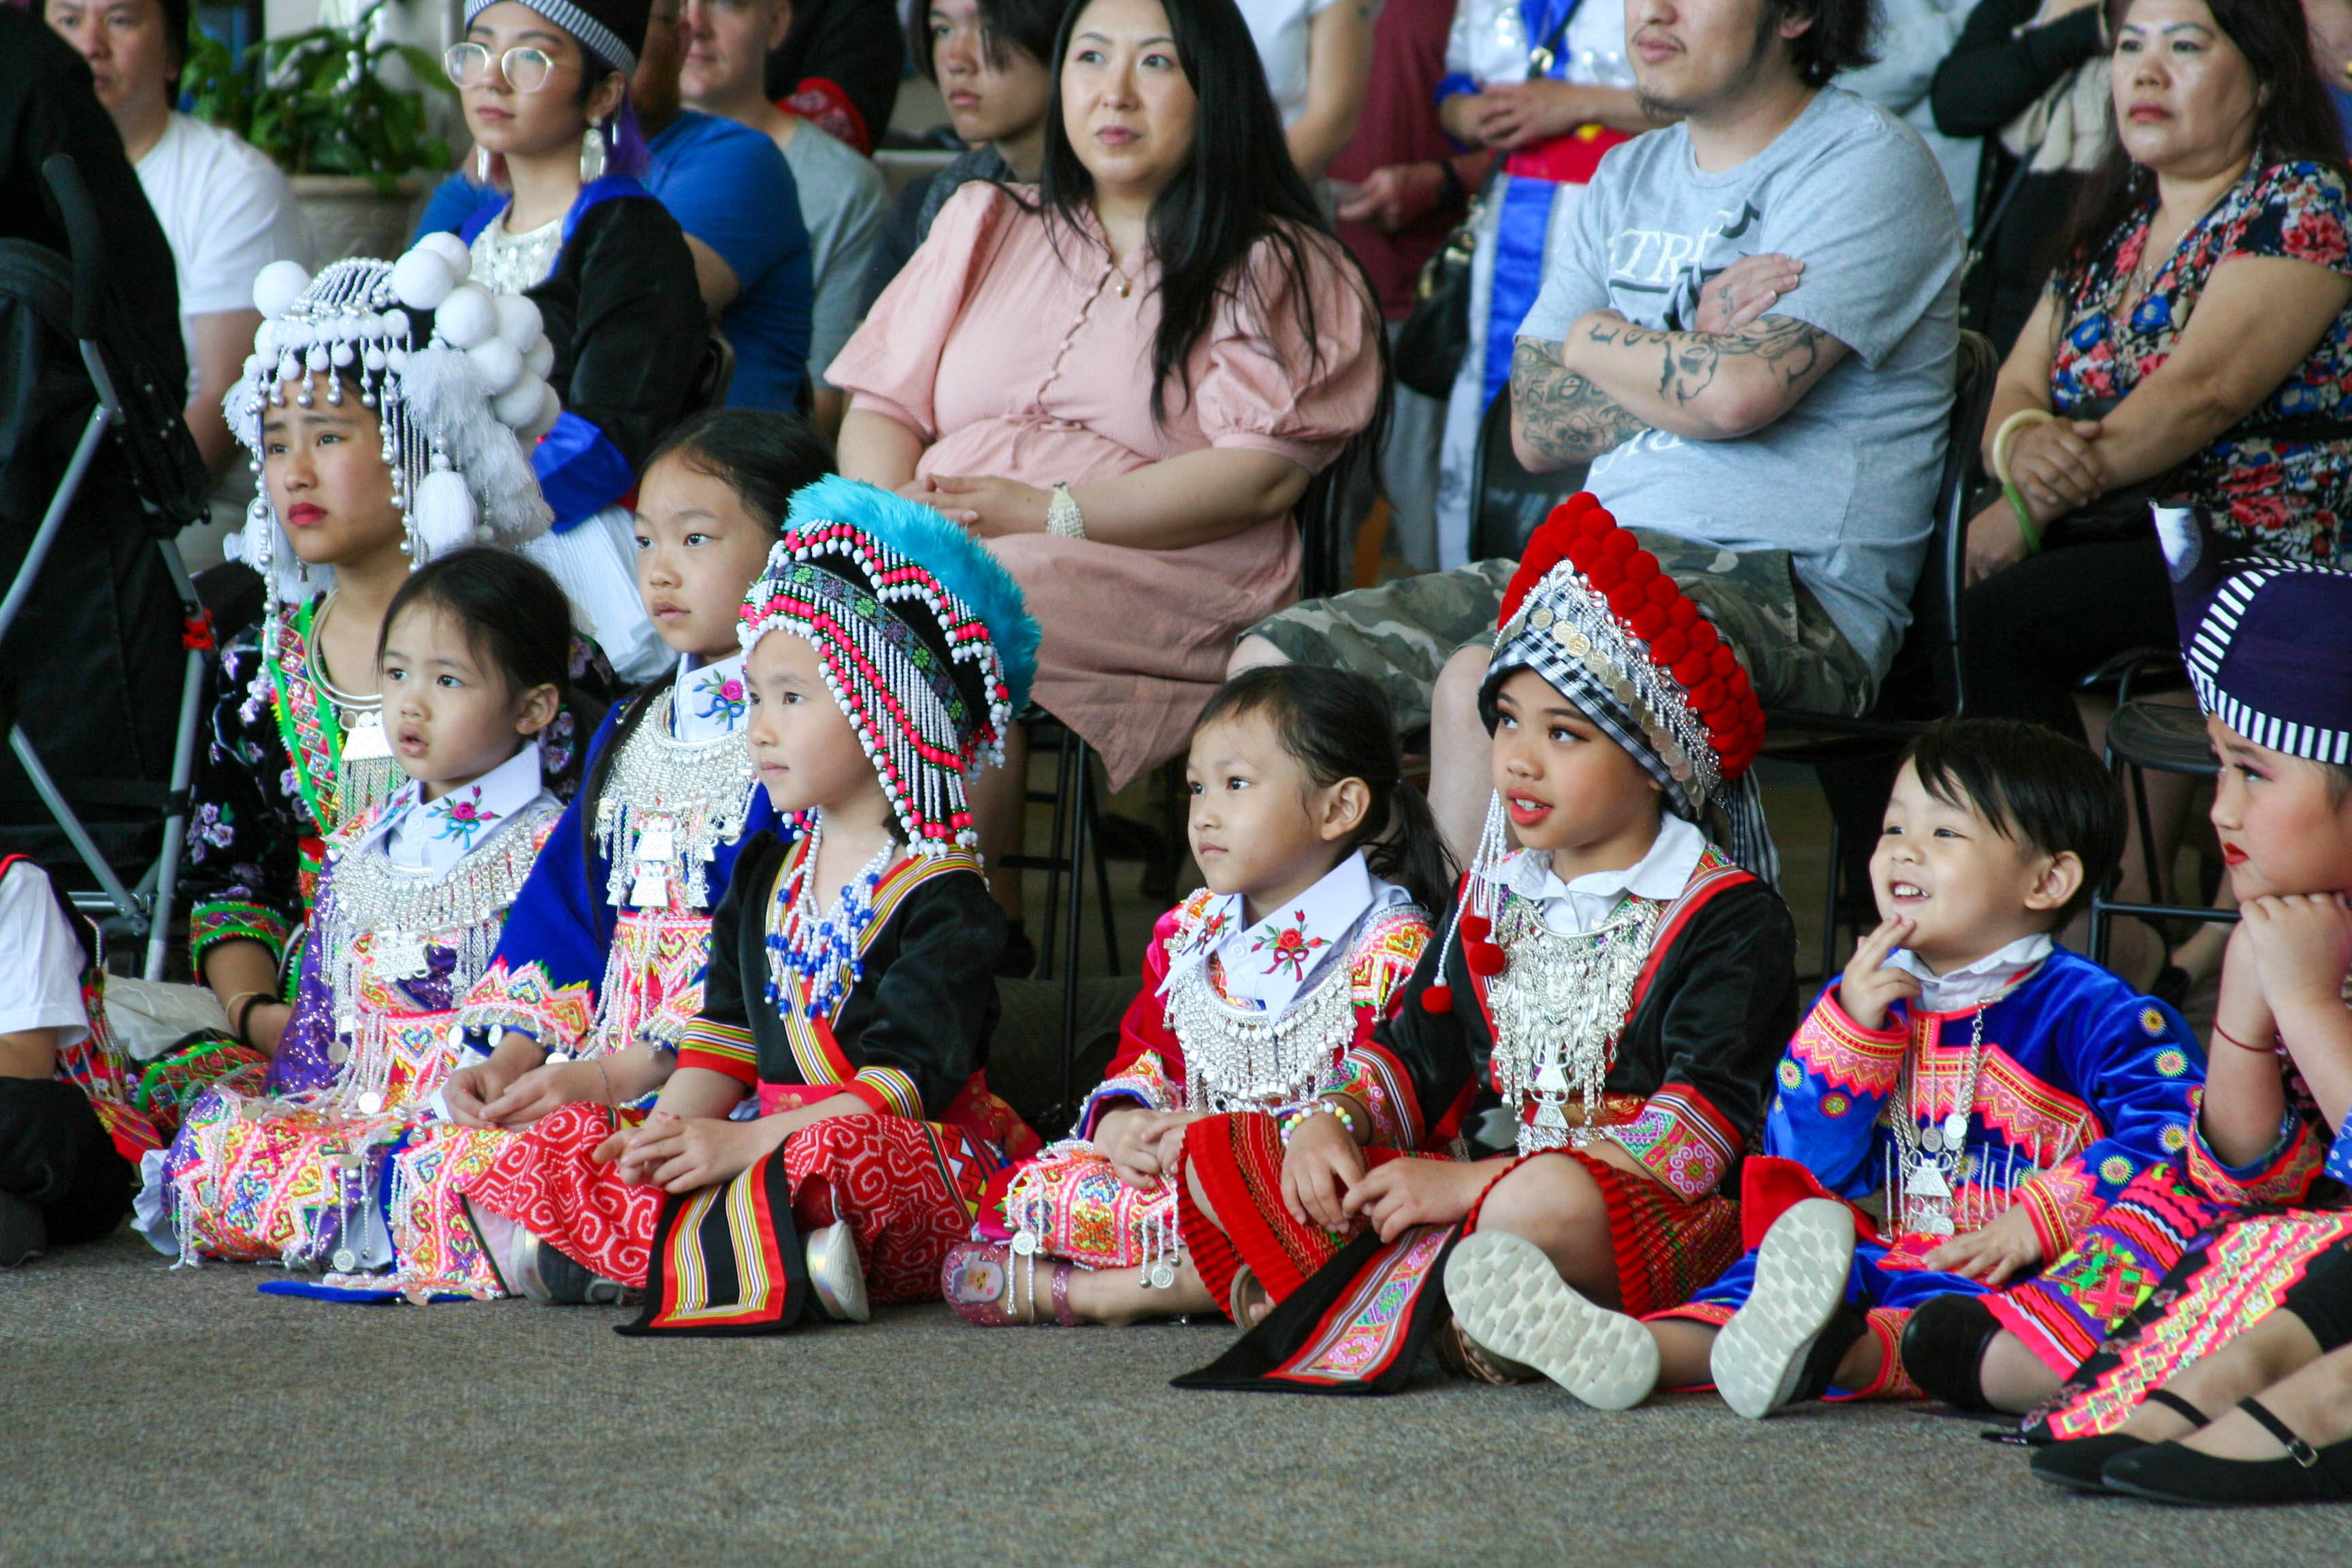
pixel 2024 520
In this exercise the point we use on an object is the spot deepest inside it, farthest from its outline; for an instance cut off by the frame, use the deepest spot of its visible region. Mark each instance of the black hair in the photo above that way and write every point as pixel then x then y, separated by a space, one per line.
pixel 2294 121
pixel 764 455
pixel 177 19
pixel 2037 788
pixel 1336 725
pixel 761 454
pixel 1239 190
pixel 515 619
pixel 1028 25
pixel 1838 41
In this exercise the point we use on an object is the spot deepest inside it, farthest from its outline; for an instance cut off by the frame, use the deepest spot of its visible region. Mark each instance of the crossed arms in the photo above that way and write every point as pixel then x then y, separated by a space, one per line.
pixel 1611 380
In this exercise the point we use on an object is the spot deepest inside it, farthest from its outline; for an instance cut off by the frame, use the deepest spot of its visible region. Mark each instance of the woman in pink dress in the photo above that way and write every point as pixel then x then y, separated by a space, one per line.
pixel 1123 379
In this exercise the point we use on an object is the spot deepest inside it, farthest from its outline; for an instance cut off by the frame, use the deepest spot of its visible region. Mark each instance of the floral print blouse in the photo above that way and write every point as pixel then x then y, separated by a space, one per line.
pixel 265 786
pixel 2280 478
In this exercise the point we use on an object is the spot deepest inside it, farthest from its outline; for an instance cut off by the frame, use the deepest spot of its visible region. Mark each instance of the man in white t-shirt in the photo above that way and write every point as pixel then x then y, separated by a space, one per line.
pixel 226 210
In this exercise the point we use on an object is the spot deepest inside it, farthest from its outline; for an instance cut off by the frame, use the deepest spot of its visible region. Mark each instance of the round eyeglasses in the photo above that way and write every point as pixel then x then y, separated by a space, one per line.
pixel 525 69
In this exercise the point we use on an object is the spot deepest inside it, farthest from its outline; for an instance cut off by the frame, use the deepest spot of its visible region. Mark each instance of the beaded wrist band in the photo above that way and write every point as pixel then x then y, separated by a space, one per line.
pixel 1062 518
pixel 1291 1122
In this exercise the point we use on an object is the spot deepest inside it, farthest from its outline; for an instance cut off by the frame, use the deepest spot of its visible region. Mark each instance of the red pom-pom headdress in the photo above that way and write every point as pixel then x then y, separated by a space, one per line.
pixel 1591 611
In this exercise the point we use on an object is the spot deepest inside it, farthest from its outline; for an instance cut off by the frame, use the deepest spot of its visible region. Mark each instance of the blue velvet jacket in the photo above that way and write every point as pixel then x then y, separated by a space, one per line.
pixel 2084 1084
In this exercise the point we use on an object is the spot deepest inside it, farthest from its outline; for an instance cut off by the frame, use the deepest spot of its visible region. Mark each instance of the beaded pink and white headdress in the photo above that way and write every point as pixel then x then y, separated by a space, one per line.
pixel 922 638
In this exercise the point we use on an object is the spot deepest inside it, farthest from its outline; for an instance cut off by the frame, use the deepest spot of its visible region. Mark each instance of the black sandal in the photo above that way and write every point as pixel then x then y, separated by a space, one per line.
pixel 2078 1464
pixel 2168 1472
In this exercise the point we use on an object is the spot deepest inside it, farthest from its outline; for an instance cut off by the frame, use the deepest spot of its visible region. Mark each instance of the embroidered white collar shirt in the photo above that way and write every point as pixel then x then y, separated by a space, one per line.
pixel 711 702
pixel 1574 907
pixel 1269 963
pixel 1971 984
pixel 433 836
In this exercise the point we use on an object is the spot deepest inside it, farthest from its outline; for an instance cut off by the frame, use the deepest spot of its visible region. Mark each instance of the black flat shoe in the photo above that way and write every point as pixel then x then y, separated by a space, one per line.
pixel 2079 1464
pixel 23 1233
pixel 2168 1472
pixel 1943 1349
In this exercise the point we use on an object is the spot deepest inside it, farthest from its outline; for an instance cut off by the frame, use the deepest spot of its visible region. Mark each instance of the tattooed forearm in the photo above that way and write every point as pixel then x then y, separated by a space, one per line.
pixel 1558 413
pixel 1792 354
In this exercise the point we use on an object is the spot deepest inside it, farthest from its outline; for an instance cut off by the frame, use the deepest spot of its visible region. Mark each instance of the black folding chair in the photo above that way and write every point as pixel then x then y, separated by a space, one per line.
pixel 148 437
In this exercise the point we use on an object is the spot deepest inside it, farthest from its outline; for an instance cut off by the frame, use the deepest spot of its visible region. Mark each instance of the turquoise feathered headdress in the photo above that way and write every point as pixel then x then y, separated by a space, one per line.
pixel 922 638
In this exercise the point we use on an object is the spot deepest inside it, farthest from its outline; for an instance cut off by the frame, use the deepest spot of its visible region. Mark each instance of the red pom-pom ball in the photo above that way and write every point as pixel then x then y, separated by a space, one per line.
pixel 1437 999
pixel 1626 599
pixel 1620 545
pixel 1484 958
pixel 1668 648
pixel 1648 621
pixel 1641 566
pixel 1663 590
pixel 1703 635
pixel 1477 928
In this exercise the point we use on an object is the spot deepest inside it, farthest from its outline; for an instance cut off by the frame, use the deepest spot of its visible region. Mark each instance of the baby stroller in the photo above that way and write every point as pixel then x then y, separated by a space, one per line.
pixel 86 631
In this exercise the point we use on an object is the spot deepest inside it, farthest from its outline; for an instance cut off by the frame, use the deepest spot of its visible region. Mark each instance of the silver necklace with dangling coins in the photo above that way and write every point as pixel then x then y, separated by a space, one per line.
pixel 1927 1161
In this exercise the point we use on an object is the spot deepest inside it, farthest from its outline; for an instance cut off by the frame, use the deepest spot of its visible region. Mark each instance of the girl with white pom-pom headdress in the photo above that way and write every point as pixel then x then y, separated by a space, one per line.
pixel 375 445
pixel 583 246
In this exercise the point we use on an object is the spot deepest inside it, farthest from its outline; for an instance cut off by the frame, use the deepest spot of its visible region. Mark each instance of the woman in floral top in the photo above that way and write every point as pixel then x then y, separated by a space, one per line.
pixel 2193 346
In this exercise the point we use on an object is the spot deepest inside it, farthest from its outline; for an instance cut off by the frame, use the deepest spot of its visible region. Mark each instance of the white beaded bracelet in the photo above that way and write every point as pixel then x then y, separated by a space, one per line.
pixel 1062 518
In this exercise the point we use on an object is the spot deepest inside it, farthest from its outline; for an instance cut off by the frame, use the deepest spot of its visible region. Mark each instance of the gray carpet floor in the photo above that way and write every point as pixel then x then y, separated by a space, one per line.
pixel 152 1415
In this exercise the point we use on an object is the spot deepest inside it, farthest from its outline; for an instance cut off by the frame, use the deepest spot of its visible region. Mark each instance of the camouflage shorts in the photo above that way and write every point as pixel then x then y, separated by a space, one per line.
pixel 1401 636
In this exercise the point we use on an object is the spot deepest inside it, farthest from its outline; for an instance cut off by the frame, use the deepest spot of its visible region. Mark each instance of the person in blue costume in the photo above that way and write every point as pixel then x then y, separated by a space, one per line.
pixel 733 195
pixel 1544 84
pixel 1962 1101
pixel 600 969
pixel 581 242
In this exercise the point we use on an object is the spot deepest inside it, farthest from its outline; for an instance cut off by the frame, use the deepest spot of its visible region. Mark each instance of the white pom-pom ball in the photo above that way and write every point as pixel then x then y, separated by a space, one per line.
pixel 468 316
pixel 497 363
pixel 392 324
pixel 519 404
pixel 442 512
pixel 519 321
pixel 264 341
pixel 341 352
pixel 371 357
pixel 540 358
pixel 551 409
pixel 422 279
pixel 395 359
pixel 449 248
pixel 277 285
pixel 316 358
pixel 253 365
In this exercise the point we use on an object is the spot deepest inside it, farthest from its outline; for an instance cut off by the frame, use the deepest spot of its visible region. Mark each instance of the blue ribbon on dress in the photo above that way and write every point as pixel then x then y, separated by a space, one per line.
pixel 1523 222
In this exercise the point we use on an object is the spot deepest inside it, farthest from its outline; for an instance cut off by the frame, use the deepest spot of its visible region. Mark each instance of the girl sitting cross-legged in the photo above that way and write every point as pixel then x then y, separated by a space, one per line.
pixel 1249 1052
pixel 849 996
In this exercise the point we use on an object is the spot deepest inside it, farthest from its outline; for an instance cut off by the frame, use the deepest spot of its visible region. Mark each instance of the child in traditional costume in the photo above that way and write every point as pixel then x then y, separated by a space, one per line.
pixel 600 970
pixel 1252 1034
pixel 410 908
pixel 2259 1287
pixel 70 1140
pixel 1966 1096
pixel 850 994
pixel 1608 1005
pixel 376 445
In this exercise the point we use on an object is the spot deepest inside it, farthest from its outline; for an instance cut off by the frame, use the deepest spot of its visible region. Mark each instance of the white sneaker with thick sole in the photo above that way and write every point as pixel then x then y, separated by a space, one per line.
pixel 834 1274
pixel 1513 1302
pixel 1801 1272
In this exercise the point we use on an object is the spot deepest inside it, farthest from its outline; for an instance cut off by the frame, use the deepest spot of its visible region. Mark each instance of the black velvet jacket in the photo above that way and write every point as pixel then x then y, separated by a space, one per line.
pixel 1703 1038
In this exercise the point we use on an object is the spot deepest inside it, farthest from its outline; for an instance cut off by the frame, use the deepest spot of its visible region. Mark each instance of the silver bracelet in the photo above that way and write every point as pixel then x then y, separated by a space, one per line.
pixel 1063 520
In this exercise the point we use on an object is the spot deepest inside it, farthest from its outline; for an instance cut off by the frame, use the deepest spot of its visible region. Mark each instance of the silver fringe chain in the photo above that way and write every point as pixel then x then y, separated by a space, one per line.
pixel 1559 1005
pixel 666 808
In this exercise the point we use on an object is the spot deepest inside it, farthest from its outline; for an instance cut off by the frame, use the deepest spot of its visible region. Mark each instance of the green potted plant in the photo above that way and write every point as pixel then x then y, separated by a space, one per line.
pixel 356 147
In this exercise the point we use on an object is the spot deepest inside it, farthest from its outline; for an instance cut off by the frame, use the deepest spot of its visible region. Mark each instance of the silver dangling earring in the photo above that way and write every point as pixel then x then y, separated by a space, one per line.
pixel 482 165
pixel 592 156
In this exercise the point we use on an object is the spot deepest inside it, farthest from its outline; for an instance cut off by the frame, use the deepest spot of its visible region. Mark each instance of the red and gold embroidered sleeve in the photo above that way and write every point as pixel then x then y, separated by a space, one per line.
pixel 1680 1138
pixel 2060 1202
pixel 721 1049
pixel 1844 1056
pixel 1387 949
pixel 1148 1068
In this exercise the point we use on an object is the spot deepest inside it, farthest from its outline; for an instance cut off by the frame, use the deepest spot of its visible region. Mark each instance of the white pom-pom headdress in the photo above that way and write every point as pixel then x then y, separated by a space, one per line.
pixel 453 373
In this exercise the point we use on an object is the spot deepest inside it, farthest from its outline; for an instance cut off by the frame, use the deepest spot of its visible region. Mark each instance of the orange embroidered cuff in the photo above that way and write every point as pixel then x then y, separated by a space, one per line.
pixel 1680 1139
pixel 211 924
pixel 2058 1203
pixel 720 1049
pixel 1842 1053
pixel 2284 1175
pixel 557 1017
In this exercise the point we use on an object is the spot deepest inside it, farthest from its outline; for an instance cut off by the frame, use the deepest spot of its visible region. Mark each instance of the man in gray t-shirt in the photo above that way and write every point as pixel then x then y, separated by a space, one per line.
pixel 1749 334
pixel 1817 429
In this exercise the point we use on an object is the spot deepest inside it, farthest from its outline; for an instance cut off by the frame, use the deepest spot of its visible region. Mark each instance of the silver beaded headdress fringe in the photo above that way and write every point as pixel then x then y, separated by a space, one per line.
pixel 455 377
pixel 923 639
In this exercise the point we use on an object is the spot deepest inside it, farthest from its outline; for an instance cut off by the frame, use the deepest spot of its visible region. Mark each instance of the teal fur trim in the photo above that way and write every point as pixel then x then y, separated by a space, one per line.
pixel 963 566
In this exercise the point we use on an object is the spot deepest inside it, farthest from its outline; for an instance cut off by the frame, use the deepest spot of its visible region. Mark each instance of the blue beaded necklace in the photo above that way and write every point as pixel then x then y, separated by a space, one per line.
pixel 820 950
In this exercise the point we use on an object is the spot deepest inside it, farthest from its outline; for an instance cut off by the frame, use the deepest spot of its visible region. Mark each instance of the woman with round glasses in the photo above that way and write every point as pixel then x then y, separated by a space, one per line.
pixel 545 92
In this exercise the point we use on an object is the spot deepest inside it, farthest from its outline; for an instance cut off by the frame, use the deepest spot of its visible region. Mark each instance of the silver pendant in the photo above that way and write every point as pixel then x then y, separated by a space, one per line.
pixel 658 839
pixel 339 1050
pixel 345 1260
pixel 1956 1127
pixel 1024 1243
pixel 650 890
pixel 1936 1225
pixel 1927 1180
pixel 399 956
pixel 371 1102
pixel 1163 1276
pixel 364 740
pixel 1932 1140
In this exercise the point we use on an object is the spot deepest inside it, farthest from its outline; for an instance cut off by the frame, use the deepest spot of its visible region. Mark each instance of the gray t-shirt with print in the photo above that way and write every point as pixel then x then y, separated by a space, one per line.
pixel 1845 480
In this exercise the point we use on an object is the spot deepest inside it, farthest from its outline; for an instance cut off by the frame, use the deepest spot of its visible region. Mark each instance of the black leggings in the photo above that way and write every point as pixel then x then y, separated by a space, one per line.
pixel 2323 1298
pixel 2037 628
pixel 55 1154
